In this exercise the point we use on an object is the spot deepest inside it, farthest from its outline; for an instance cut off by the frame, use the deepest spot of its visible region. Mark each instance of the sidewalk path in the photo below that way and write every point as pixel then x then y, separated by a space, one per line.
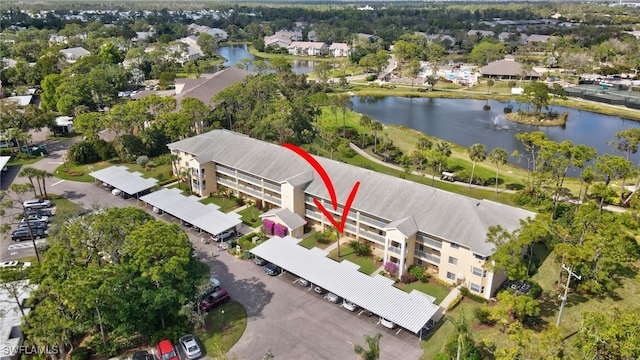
pixel 396 167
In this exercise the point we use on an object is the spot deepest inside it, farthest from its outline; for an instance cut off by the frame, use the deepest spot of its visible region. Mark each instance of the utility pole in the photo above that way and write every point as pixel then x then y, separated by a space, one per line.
pixel 566 291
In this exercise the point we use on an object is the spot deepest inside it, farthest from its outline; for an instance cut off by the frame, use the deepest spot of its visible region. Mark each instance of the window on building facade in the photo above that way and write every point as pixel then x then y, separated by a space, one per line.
pixel 451 276
pixel 202 172
pixel 421 247
pixel 474 287
pixel 204 183
pixel 419 262
pixel 476 271
pixel 453 260
pixel 479 257
pixel 455 246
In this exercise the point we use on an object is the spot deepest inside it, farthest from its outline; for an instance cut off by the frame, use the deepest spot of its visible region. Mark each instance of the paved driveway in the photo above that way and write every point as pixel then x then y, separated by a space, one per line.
pixel 293 322
pixel 282 316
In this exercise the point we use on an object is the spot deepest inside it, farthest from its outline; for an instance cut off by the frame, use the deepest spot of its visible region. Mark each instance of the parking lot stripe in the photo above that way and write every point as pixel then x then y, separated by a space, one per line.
pixel 398 332
pixel 61 181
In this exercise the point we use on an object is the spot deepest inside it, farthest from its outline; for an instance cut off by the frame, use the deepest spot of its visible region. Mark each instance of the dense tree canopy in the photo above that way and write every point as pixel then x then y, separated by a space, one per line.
pixel 116 274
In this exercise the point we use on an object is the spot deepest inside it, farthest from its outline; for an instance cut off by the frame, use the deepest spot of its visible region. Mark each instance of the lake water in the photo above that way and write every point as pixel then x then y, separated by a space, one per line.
pixel 465 123
pixel 234 53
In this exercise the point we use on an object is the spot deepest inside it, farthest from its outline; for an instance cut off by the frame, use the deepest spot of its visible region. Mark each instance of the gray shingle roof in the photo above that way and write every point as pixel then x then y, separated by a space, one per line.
pixel 436 212
pixel 289 218
pixel 203 88
pixel 407 226
pixel 505 68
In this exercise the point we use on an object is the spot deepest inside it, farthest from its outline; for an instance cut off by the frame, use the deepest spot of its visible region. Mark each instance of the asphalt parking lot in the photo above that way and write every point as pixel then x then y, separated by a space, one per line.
pixel 293 321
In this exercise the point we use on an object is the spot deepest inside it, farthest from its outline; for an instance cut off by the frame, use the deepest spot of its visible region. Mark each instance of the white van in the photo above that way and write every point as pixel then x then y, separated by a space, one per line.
pixel 223 236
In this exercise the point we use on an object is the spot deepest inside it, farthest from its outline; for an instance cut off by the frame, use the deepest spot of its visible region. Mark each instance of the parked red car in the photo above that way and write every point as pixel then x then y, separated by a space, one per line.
pixel 166 351
pixel 215 299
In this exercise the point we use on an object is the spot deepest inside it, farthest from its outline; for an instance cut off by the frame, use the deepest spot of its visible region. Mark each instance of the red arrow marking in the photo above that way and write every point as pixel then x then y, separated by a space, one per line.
pixel 332 193
pixel 316 165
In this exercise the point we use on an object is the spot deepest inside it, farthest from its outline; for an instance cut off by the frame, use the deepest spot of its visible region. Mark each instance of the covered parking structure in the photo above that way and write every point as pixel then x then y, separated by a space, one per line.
pixel 189 209
pixel 377 294
pixel 119 177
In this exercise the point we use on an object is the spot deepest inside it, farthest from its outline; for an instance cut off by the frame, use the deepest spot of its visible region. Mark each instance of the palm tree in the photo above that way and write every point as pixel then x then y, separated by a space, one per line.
pixel 499 156
pixel 490 83
pixel 375 127
pixel 374 348
pixel 338 240
pixel 30 173
pixel 42 175
pixel 365 122
pixel 443 148
pixel 477 153
pixel 183 175
pixel 174 159
pixel 250 203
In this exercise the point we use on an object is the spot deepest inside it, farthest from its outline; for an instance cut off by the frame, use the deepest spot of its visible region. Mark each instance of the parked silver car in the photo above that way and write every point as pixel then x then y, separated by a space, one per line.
pixel 190 347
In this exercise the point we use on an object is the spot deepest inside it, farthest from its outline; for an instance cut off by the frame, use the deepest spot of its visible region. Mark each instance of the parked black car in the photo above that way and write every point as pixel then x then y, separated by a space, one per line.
pixel 142 355
pixel 272 270
pixel 40 212
pixel 34 225
pixel 23 234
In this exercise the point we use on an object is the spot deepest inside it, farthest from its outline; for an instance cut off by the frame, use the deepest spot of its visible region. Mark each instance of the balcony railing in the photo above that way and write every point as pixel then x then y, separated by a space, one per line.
pixel 371 221
pixel 428 241
pixel 273 200
pixel 226 171
pixel 396 250
pixel 372 236
pixel 429 257
pixel 249 178
pixel 227 182
pixel 273 187
pixel 250 191
pixel 350 228
pixel 313 215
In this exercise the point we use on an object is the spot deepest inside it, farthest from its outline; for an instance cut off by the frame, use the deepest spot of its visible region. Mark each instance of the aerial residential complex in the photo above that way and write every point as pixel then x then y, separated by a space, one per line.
pixel 404 222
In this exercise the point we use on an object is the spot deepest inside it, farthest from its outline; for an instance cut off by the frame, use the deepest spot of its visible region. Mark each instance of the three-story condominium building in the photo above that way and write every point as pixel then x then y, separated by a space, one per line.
pixel 404 222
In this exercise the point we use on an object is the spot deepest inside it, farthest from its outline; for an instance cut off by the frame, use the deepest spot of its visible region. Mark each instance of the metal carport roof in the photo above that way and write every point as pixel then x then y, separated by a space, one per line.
pixel 121 178
pixel 376 294
pixel 188 208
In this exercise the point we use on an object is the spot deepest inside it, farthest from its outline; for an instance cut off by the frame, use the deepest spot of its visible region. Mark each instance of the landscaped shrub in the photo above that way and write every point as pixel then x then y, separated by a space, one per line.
pixel 268 225
pixel 391 268
pixel 142 161
pixel 280 230
pixel 408 278
pixel 321 238
pixel 239 201
pixel 483 314
pixel 360 248
pixel 105 150
pixel 443 283
pixel 476 298
pixel 80 353
pixel 464 291
pixel 418 272
pixel 455 302
pixel 370 77
pixel 82 153
pixel 536 290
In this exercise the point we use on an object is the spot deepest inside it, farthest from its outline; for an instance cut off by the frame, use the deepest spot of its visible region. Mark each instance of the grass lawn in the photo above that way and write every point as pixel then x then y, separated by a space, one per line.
pixel 310 242
pixel 65 209
pixel 436 339
pixel 21 161
pixel 225 204
pixel 223 330
pixel 431 288
pixel 180 186
pixel 367 265
pixel 80 173
pixel 251 213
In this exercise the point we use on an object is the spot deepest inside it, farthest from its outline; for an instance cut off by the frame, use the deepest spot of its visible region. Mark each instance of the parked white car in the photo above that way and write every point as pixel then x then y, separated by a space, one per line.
pixel 349 305
pixel 387 323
